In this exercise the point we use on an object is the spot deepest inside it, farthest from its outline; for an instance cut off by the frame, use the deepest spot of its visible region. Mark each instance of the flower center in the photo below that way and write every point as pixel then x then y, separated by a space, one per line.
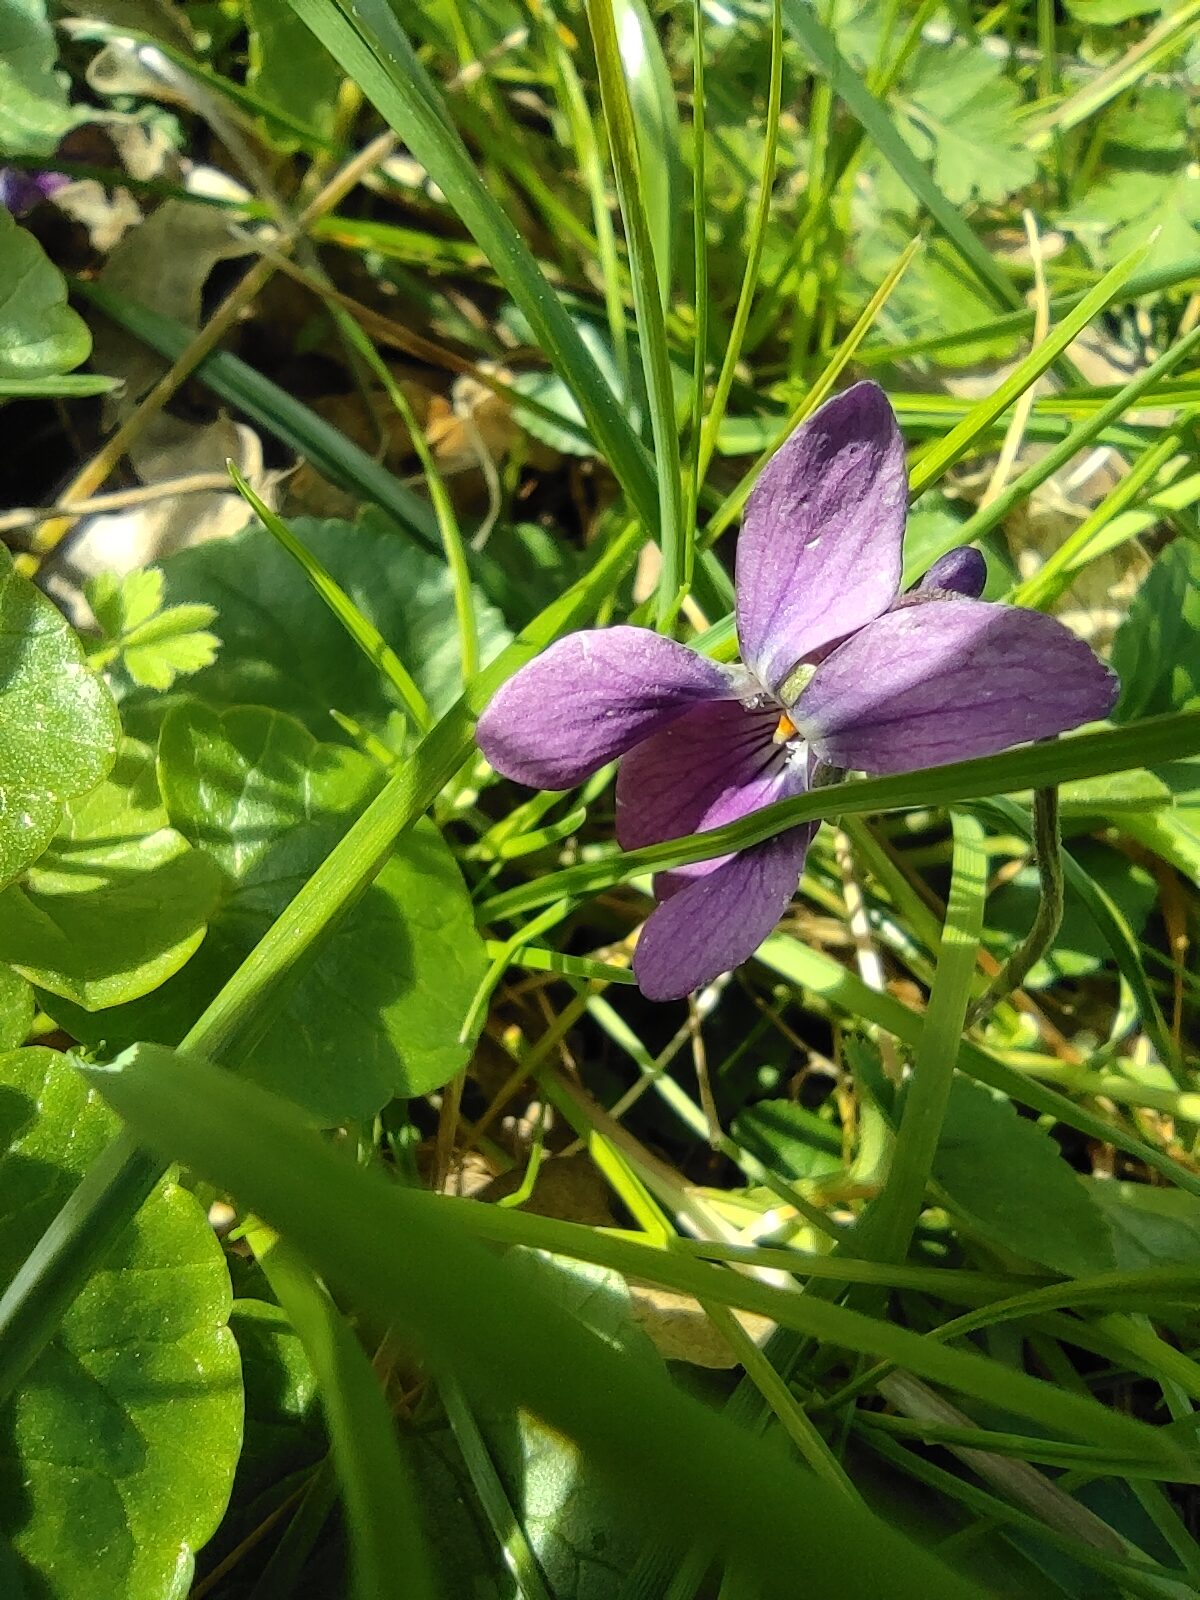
pixel 785 730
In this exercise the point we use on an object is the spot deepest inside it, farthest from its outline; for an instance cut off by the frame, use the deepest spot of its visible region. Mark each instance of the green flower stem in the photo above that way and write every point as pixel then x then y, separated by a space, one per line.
pixel 115 1187
pixel 1048 848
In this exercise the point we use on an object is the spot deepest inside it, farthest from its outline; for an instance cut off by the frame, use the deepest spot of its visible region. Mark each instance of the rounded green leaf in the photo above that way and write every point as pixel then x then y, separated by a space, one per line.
pixel 34 113
pixel 118 1449
pixel 16 1008
pixel 378 1012
pixel 58 723
pixel 39 333
pixel 118 902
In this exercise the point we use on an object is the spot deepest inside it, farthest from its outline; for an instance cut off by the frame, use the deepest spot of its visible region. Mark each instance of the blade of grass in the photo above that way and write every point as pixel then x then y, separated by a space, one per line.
pixel 817 41
pixel 388 1555
pixel 433 1280
pixel 369 42
pixel 758 239
pixel 410 1262
pixel 935 461
pixel 360 628
pixel 674 538
pixel 1143 744
pixel 886 1230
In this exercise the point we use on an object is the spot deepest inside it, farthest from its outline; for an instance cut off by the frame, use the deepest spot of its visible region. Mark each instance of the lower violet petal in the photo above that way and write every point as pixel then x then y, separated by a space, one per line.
pixel 588 699
pixel 715 922
pixel 928 684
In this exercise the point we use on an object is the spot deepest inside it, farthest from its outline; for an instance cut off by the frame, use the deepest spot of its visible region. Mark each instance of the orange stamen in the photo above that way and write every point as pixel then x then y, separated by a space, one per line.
pixel 786 730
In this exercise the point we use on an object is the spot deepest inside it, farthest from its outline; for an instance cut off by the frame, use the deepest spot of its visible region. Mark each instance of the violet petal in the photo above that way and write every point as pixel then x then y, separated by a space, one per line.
pixel 718 920
pixel 820 549
pixel 927 684
pixel 590 697
pixel 960 571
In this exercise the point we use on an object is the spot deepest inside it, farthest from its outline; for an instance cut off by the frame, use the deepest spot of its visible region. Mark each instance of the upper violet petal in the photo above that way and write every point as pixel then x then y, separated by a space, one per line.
pixel 962 570
pixel 714 922
pixel 590 697
pixel 820 552
pixel 927 684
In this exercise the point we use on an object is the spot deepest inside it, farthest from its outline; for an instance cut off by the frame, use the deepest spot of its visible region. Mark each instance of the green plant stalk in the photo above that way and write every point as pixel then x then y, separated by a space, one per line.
pixel 1047 845
pixel 758 239
pixel 886 1230
pixel 674 537
pixel 406 1254
pixel 116 1185
pixel 368 40
pixel 733 502
pixel 591 167
pixel 443 507
pixel 514 1544
pixel 699 264
pixel 1143 744
pixel 388 1553
pixel 1055 575
pixel 360 628
pixel 937 460
pixel 993 514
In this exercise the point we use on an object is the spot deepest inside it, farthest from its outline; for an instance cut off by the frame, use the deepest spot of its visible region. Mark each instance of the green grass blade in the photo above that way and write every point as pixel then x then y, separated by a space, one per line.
pixel 360 628
pixel 935 461
pixel 887 1228
pixel 388 1555
pixel 659 134
pixel 674 536
pixel 411 1262
pixel 369 42
pixel 1143 744
pixel 758 239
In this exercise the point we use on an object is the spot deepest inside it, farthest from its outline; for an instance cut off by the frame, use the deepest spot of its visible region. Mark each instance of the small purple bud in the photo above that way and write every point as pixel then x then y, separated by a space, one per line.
pixel 961 571
pixel 21 191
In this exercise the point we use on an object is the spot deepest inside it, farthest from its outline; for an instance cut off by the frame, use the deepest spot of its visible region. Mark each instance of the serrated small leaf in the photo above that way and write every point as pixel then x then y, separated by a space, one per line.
pixel 1010 1182
pixel 58 723
pixel 120 1444
pixel 157 665
pixel 378 1012
pixel 118 902
pixel 122 602
pixel 40 335
pixel 960 111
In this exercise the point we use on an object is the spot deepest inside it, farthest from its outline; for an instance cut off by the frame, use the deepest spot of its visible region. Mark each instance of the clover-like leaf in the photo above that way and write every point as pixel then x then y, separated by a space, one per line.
pixel 960 112
pixel 378 1012
pixel 58 722
pixel 154 645
pixel 118 902
pixel 118 1449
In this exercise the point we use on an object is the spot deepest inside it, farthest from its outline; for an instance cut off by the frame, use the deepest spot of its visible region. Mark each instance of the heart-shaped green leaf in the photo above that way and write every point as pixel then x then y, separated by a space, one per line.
pixel 39 333
pixel 118 902
pixel 58 724
pixel 379 1011
pixel 119 1447
pixel 34 113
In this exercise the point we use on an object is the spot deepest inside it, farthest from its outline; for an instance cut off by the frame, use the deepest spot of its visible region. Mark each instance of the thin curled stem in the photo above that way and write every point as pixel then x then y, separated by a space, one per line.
pixel 1048 850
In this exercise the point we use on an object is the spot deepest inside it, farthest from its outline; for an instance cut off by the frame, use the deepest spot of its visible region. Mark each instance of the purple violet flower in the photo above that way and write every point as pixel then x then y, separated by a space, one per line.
pixel 21 191
pixel 841 669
